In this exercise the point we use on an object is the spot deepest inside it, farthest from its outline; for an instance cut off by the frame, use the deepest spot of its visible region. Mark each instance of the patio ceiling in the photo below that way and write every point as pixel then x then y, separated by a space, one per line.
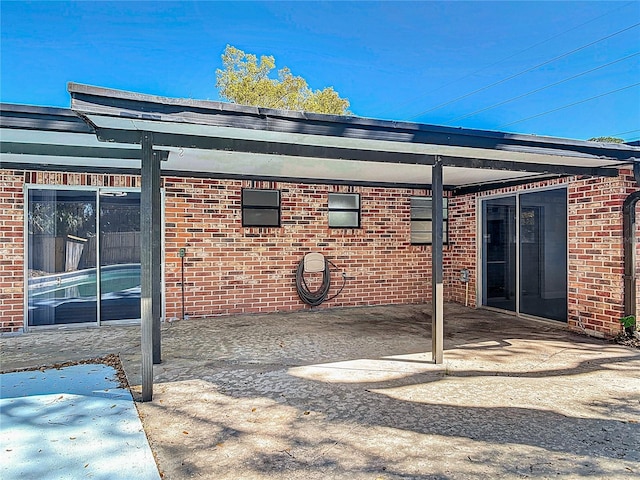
pixel 219 140
pixel 226 140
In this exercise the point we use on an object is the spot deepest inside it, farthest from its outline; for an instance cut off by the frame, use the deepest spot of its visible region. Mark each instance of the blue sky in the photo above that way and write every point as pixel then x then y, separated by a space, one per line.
pixel 441 63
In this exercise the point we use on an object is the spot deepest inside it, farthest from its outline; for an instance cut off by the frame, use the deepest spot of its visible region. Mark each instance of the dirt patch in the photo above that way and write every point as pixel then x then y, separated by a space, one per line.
pixel 628 341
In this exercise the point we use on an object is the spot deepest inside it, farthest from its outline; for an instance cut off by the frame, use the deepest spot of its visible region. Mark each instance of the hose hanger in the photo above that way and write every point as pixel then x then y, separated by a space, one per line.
pixel 316 263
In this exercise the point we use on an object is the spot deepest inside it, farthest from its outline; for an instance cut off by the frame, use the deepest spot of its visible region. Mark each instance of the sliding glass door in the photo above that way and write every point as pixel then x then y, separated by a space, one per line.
pixel 83 245
pixel 119 255
pixel 524 253
pixel 499 247
pixel 61 273
pixel 543 254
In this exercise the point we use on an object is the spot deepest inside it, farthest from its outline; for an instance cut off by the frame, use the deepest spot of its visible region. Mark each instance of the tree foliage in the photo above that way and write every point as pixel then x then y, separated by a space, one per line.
pixel 62 218
pixel 247 81
pixel 606 140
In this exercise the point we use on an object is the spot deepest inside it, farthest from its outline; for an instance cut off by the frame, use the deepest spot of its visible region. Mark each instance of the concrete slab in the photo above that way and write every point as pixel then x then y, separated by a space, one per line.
pixel 352 394
pixel 71 423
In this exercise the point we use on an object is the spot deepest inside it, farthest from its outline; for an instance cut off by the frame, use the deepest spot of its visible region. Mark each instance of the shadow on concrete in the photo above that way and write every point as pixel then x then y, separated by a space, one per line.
pixel 559 423
pixel 352 393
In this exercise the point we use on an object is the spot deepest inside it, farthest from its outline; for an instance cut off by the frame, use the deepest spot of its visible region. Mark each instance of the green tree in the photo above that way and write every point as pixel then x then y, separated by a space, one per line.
pixel 62 218
pixel 246 81
pixel 606 140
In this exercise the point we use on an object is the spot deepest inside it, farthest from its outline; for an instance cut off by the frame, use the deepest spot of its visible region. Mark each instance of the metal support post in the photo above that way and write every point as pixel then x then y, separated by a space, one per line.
pixel 437 276
pixel 156 253
pixel 149 261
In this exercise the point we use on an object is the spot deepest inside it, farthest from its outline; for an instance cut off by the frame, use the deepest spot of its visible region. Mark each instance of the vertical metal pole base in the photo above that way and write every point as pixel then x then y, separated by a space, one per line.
pixel 437 325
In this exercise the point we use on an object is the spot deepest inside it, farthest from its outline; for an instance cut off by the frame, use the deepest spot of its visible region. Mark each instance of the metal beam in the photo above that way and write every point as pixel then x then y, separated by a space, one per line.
pixel 57 167
pixel 437 276
pixel 79 151
pixel 180 140
pixel 485 187
pixel 543 168
pixel 305 180
pixel 149 261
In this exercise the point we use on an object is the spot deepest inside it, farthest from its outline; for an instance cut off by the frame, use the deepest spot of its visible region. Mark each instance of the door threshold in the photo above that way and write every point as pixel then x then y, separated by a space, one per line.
pixel 559 324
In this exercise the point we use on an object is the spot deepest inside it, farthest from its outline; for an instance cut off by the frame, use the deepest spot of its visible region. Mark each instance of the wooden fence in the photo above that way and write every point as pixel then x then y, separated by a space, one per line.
pixel 52 254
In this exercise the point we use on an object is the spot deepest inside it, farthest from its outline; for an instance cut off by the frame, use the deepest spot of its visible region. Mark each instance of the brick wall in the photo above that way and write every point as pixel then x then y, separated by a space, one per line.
pixel 596 261
pixel 637 265
pixel 231 269
pixel 461 253
pixel 11 251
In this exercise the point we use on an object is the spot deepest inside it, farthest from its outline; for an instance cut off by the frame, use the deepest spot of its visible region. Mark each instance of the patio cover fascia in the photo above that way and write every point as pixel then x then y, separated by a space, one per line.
pixel 50 138
pixel 221 139
pixel 329 142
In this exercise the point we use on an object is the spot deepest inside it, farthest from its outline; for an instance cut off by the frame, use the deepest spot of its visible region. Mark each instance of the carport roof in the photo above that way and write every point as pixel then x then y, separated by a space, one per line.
pixel 215 139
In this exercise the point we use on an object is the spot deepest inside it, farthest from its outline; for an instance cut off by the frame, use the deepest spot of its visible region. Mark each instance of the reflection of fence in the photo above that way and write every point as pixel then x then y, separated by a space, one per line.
pixel 119 247
pixel 53 254
pixel 75 247
pixel 47 253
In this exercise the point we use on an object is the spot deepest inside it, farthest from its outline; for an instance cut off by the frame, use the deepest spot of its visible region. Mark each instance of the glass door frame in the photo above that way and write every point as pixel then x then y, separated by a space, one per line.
pixel 509 271
pixel 481 253
pixel 96 191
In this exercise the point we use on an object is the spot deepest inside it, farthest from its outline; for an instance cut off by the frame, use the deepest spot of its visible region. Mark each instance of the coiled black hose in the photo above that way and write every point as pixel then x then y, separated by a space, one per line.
pixel 320 295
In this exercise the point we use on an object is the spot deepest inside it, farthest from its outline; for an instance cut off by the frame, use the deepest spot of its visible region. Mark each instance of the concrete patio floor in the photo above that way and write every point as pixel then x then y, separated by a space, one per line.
pixel 352 394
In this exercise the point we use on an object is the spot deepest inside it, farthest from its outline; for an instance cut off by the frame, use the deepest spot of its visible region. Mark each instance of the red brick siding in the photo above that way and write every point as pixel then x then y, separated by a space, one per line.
pixel 231 269
pixel 11 251
pixel 596 268
pixel 461 253
pixel 63 179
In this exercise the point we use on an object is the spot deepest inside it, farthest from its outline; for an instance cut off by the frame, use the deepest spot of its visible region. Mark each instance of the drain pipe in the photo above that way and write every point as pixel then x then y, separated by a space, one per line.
pixel 629 239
